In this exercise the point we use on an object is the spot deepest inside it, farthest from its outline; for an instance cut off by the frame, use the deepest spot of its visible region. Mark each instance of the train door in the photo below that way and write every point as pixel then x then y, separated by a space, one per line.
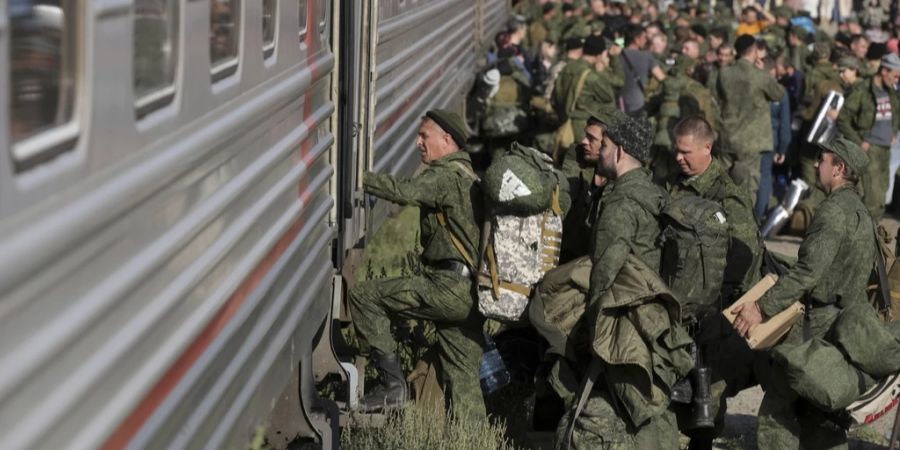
pixel 353 45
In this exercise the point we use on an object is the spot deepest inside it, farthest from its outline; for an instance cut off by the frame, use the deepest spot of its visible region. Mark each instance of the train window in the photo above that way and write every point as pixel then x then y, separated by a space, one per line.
pixel 302 19
pixel 268 26
pixel 42 77
pixel 155 53
pixel 224 36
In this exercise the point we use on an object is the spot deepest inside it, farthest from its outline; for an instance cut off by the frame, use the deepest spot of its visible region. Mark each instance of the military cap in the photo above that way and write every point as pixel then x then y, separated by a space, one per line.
pixel 451 123
pixel 702 8
pixel 800 31
pixel 634 135
pixel 699 29
pixel 574 42
pixel 849 152
pixel 890 61
pixel 608 116
pixel 594 45
pixel 548 7
pixel 848 62
pixel 568 7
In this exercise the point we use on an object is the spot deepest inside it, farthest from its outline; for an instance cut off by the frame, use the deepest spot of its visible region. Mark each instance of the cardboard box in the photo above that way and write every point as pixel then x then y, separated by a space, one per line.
pixel 769 332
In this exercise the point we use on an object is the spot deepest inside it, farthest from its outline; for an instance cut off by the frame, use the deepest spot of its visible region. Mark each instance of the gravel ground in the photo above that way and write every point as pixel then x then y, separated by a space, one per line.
pixel 740 423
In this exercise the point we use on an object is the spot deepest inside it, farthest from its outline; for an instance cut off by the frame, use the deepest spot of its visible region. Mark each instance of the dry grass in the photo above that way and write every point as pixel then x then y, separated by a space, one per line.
pixel 415 428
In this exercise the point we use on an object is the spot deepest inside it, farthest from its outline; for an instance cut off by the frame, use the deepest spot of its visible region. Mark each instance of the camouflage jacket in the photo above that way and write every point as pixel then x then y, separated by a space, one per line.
pixel 627 223
pixel 681 96
pixel 442 186
pixel 597 92
pixel 744 93
pixel 716 184
pixel 819 81
pixel 857 116
pixel 835 258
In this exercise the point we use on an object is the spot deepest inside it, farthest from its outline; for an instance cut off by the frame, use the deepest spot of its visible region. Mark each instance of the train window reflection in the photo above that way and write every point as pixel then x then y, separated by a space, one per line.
pixel 42 72
pixel 268 26
pixel 155 53
pixel 302 18
pixel 224 36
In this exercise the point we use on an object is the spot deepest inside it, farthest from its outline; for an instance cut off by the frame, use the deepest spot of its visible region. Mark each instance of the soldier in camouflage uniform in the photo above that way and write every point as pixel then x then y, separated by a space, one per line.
pixel 586 188
pixel 445 191
pixel 835 262
pixel 825 77
pixel 744 93
pixel 723 351
pixel 870 118
pixel 627 224
pixel 597 91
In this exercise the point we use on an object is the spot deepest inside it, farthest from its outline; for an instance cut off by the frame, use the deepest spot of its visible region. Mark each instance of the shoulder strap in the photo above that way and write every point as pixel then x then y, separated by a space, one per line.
pixel 457 244
pixel 579 86
pixel 466 170
pixel 637 77
pixel 442 218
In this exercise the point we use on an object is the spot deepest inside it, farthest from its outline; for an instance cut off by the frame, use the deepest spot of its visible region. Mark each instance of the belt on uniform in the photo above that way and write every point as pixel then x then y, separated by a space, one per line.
pixel 450 265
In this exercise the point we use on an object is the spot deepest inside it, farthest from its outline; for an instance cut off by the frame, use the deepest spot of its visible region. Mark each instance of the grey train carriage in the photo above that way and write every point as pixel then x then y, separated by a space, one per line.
pixel 179 187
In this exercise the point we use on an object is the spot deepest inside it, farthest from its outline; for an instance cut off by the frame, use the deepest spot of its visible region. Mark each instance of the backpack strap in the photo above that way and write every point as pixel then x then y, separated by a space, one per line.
pixel 579 87
pixel 457 244
pixel 442 218
pixel 587 385
pixel 883 283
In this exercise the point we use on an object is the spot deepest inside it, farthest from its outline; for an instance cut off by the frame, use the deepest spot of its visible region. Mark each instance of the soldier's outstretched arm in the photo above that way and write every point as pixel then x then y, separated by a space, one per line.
pixel 816 254
pixel 427 189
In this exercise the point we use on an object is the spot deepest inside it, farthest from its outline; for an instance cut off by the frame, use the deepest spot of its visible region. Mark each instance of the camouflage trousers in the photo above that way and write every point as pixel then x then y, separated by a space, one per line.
pixel 442 297
pixel 875 180
pixel 601 427
pixel 786 421
pixel 752 161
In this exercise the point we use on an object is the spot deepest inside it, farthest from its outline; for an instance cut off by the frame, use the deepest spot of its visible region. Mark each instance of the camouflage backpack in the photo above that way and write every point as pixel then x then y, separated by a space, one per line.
pixel 695 241
pixel 524 229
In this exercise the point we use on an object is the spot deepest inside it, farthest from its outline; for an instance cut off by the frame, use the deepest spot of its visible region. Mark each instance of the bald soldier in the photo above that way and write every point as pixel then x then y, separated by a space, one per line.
pixel 449 200
pixel 833 267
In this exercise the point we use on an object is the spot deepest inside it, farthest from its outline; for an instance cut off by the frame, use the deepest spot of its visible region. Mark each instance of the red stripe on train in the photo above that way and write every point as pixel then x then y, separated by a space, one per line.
pixel 149 404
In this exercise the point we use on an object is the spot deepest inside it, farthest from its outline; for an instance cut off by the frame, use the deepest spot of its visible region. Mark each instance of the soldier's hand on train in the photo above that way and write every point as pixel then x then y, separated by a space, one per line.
pixel 748 316
pixel 865 146
pixel 779 159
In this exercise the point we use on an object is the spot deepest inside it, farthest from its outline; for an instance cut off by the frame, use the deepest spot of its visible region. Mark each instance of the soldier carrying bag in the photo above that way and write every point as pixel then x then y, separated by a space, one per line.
pixel 565 135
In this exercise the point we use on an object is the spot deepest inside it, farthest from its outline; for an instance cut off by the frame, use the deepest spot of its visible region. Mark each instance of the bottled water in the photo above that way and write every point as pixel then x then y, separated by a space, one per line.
pixel 493 373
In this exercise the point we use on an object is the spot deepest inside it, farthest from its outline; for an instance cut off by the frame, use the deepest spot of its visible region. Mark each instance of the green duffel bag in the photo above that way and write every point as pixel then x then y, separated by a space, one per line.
pixel 521 182
pixel 866 340
pixel 820 374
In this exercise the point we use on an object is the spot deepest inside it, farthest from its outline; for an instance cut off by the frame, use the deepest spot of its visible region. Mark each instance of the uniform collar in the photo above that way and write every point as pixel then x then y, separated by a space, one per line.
pixel 702 183
pixel 461 155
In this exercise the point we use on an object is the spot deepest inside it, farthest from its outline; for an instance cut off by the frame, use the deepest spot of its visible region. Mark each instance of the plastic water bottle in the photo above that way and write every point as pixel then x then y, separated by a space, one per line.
pixel 493 373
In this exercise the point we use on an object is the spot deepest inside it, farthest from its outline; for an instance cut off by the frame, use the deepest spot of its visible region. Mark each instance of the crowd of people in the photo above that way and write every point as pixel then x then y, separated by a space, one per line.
pixel 660 120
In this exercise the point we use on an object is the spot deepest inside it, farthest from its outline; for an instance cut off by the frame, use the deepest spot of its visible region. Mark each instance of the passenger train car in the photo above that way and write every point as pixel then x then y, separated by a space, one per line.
pixel 181 182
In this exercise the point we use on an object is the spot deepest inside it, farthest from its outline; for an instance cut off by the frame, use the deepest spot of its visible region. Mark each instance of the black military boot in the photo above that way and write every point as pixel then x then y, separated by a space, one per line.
pixel 392 391
pixel 702 405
